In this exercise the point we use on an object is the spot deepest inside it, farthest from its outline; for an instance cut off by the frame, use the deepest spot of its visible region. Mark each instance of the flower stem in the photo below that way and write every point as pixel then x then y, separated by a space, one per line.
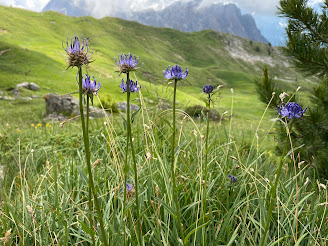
pixel 273 192
pixel 87 154
pixel 175 197
pixel 205 167
pixel 136 185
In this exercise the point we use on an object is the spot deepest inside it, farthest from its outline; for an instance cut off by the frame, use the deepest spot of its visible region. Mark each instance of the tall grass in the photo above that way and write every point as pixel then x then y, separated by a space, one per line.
pixel 45 199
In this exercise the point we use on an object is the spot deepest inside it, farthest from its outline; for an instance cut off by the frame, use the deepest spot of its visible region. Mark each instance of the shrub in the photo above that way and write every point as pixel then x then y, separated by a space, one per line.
pixel 196 112
pixel 109 104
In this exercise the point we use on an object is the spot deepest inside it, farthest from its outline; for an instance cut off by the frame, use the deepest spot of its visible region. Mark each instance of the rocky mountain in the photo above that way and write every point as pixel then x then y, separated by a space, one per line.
pixel 184 16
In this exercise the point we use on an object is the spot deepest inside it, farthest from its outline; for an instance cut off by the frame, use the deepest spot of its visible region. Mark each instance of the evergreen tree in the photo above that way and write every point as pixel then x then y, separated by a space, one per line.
pixel 307 44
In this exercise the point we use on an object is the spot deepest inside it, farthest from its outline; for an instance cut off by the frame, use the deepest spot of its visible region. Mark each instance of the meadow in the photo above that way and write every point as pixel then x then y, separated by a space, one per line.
pixel 45 187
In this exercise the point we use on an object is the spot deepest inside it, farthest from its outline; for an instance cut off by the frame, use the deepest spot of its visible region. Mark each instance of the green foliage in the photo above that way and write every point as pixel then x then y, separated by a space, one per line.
pixel 267 89
pixel 109 104
pixel 199 111
pixel 307 35
pixel 307 44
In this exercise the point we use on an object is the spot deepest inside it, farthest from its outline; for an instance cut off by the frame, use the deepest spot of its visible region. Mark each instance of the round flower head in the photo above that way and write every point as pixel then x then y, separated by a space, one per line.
pixel 291 110
pixel 175 73
pixel 133 86
pixel 208 89
pixel 129 186
pixel 127 63
pixel 77 53
pixel 90 87
pixel 232 178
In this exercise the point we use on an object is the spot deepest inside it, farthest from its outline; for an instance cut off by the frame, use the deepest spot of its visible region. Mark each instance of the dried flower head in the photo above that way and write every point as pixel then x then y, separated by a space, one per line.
pixel 133 86
pixel 127 63
pixel 90 87
pixel 175 73
pixel 282 96
pixel 77 53
pixel 291 110
pixel 208 89
pixel 232 178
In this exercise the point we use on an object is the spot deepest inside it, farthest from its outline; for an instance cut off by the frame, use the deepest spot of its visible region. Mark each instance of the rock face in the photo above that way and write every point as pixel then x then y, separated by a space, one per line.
pixel 187 16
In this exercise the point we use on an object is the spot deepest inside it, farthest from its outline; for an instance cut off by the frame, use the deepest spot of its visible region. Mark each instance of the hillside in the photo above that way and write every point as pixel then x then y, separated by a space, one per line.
pixel 33 41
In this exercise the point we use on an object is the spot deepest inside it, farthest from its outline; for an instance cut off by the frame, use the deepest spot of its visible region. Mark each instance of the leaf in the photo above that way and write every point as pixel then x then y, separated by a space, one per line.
pixel 124 123
pixel 134 114
pixel 86 228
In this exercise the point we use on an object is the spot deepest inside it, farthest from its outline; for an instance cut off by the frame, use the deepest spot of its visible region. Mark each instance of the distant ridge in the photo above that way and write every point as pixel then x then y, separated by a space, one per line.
pixel 183 16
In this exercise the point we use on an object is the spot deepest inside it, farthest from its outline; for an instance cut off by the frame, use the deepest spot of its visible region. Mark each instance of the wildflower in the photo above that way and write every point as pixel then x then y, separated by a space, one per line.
pixel 175 73
pixel 38 125
pixel 90 87
pixel 291 110
pixel 129 186
pixel 232 178
pixel 133 86
pixel 18 130
pixel 127 63
pixel 77 55
pixel 48 125
pixel 32 125
pixel 208 89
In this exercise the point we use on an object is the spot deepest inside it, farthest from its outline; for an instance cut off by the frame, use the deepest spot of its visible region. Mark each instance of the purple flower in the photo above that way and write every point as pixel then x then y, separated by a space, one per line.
pixel 129 186
pixel 175 73
pixel 208 89
pixel 232 178
pixel 291 110
pixel 90 87
pixel 77 53
pixel 133 86
pixel 127 63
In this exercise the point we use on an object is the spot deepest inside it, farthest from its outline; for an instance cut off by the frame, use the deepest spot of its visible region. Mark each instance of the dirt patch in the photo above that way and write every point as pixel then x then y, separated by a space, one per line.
pixel 3 31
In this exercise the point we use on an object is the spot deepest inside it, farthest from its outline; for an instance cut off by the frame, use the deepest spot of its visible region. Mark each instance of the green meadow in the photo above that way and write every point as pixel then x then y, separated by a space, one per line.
pixel 43 176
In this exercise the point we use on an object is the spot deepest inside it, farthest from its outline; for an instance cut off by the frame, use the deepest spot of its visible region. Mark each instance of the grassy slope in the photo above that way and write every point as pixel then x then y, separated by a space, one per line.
pixel 34 40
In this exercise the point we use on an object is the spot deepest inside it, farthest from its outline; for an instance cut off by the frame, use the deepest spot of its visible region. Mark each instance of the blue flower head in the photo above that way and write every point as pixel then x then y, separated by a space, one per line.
pixel 208 89
pixel 127 63
pixel 232 178
pixel 129 186
pixel 175 73
pixel 133 86
pixel 291 110
pixel 90 87
pixel 77 53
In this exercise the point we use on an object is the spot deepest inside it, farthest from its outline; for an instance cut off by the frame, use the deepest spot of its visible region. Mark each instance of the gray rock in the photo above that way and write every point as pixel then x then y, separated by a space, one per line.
pixel 122 106
pixel 1 93
pixel 8 98
pixel 16 92
pixel 0 97
pixel 26 98
pixel 23 84
pixel 33 87
pixel 34 96
pixel 65 104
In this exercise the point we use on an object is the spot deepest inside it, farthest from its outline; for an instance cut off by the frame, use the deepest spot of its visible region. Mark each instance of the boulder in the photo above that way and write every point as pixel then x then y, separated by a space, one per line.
pixel 33 87
pixel 16 92
pixel 30 86
pixel 61 104
pixel 23 84
pixel 122 106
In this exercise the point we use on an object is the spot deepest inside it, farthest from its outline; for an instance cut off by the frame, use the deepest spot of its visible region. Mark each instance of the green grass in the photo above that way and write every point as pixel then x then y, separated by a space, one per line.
pixel 34 41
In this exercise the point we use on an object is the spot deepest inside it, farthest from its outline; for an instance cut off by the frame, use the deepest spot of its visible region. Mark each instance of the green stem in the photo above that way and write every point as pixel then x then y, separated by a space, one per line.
pixel 205 167
pixel 87 153
pixel 128 124
pixel 175 196
pixel 273 193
